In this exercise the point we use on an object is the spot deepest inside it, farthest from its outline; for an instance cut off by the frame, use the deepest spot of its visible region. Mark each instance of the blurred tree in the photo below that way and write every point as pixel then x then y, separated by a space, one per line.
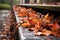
pixel 5 1
pixel 15 2
pixel 0 1
pixel 9 1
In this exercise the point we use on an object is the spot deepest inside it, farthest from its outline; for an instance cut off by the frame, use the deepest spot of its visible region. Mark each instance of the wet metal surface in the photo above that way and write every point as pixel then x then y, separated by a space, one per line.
pixel 24 34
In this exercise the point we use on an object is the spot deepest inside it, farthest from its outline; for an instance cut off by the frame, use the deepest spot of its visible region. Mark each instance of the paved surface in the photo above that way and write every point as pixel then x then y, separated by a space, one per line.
pixel 3 16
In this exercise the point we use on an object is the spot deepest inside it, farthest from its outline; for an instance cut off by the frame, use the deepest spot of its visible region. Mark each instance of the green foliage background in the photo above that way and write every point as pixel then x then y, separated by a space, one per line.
pixel 6 4
pixel 9 1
